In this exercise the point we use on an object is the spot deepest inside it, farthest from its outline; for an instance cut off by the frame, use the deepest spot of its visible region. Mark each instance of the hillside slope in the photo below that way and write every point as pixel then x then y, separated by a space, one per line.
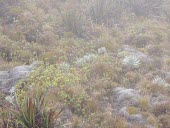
pixel 105 64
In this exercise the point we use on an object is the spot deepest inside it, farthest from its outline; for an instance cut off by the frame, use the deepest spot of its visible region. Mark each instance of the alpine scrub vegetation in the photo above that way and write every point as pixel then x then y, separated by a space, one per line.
pixel 105 63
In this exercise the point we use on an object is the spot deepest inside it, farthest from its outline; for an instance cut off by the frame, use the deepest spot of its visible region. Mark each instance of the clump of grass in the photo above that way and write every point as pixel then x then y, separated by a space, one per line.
pixel 30 112
pixel 132 110
pixel 144 103
pixel 73 22
pixel 147 7
pixel 100 10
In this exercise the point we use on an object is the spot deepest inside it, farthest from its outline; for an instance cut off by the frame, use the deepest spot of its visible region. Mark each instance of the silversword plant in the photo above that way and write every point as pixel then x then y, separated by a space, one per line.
pixel 160 81
pixel 131 61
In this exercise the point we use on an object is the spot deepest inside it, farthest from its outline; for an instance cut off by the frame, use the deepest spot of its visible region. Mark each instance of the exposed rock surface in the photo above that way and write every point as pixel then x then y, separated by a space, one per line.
pixel 134 118
pixel 11 77
pixel 143 57
pixel 124 98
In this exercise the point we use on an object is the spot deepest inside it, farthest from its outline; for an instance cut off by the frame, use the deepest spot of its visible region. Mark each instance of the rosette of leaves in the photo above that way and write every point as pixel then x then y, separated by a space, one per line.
pixel 131 61
pixel 159 81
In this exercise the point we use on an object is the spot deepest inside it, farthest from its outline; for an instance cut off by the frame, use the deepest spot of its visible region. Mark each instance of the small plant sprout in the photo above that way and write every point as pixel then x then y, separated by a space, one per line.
pixel 131 61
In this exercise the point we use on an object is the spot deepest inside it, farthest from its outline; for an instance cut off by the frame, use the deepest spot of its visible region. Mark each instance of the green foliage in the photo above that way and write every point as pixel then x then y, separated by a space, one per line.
pixel 30 112
pixel 73 22
pixel 64 81
pixel 99 10
pixel 84 60
pixel 52 76
pixel 74 97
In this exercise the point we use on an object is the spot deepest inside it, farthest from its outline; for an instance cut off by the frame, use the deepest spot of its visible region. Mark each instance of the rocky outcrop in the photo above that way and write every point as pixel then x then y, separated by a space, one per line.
pixel 143 57
pixel 9 78
pixel 124 98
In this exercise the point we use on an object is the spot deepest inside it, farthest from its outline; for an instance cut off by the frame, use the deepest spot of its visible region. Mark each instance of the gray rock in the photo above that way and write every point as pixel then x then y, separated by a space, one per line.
pixel 19 72
pixel 126 97
pixel 10 78
pixel 123 112
pixel 137 119
pixel 36 64
pixel 4 75
pixel 132 119
pixel 143 57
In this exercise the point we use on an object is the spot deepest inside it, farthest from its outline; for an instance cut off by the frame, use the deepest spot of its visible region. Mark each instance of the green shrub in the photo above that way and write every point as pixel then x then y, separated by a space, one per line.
pixel 75 98
pixel 53 76
pixel 65 82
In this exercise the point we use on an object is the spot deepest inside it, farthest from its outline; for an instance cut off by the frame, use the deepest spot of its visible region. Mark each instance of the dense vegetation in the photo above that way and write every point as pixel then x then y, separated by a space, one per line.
pixel 88 49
